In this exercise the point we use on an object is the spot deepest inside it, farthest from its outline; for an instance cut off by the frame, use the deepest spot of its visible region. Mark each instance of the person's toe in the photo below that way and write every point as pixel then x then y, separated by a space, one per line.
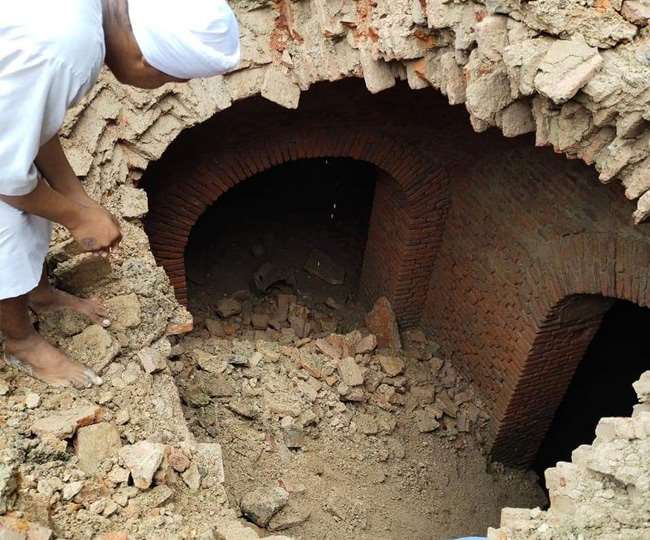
pixel 99 307
pixel 80 380
pixel 80 383
pixel 93 378
pixel 96 311
pixel 102 313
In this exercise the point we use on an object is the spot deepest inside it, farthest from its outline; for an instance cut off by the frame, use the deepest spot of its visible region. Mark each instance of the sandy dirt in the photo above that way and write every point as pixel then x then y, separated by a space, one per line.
pixel 359 471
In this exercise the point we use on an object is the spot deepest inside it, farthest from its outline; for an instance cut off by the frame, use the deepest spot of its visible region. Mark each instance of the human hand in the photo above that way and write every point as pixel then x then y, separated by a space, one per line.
pixel 97 231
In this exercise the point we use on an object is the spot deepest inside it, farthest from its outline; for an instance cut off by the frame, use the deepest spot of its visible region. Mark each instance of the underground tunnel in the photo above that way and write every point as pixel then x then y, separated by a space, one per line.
pixel 602 384
pixel 305 223
pixel 392 192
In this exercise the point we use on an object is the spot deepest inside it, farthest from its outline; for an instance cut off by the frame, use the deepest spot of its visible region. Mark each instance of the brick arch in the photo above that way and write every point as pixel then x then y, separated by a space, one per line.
pixel 406 224
pixel 571 285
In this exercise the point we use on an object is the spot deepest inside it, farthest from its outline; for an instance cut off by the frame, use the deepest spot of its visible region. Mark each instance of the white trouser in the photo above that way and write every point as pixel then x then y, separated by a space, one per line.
pixel 24 240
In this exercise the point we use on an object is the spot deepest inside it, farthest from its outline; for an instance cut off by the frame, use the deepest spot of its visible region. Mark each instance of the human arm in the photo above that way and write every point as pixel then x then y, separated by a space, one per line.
pixel 92 227
pixel 54 165
pixel 34 96
pixel 47 203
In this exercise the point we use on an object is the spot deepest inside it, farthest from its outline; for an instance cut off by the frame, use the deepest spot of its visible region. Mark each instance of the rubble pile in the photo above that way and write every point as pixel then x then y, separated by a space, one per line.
pixel 603 493
pixel 268 376
pixel 294 371
pixel 71 467
pixel 110 462
pixel 285 394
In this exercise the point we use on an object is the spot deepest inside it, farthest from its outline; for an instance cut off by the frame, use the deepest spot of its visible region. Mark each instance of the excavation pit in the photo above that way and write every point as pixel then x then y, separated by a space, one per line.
pixel 506 256
pixel 365 455
pixel 486 245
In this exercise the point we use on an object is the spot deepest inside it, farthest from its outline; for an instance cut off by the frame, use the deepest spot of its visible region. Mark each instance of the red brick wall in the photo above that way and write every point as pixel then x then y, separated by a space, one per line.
pixel 558 348
pixel 528 236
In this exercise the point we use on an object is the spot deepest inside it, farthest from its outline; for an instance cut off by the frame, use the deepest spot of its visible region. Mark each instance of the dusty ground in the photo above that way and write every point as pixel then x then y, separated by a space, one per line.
pixel 386 447
pixel 375 468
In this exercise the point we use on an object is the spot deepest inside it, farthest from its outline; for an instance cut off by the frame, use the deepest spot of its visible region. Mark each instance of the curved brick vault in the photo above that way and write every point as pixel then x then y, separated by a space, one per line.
pixel 522 283
pixel 514 289
pixel 410 196
pixel 582 275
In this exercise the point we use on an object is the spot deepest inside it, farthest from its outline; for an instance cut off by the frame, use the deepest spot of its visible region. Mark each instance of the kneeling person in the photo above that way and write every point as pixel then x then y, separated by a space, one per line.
pixel 51 54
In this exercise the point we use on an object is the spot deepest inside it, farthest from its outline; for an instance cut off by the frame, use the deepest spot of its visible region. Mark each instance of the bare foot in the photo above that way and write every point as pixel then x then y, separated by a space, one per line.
pixel 38 358
pixel 50 299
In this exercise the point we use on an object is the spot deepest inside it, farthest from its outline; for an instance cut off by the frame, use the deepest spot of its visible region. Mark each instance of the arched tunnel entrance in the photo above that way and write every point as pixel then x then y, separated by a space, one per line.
pixel 304 223
pixel 602 384
pixel 334 121
pixel 355 177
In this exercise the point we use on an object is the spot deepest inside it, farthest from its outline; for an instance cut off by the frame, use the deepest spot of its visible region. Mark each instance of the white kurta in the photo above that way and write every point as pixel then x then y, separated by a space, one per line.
pixel 51 53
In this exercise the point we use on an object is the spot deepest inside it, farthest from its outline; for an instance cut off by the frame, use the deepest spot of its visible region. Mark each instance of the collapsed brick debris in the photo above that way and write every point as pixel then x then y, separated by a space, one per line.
pixel 285 386
pixel 75 466
pixel 331 368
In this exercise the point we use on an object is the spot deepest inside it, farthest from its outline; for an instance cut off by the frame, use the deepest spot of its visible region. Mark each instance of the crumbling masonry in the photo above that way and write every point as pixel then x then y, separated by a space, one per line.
pixel 508 254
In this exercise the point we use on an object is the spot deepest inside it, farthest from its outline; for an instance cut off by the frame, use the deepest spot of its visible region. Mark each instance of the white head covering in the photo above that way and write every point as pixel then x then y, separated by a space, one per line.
pixel 186 38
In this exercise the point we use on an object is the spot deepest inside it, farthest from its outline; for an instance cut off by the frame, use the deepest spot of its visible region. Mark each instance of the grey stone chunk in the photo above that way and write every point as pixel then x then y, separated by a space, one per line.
pixel 492 36
pixel 350 372
pixel 426 421
pixel 367 424
pixel 96 443
pixel 8 485
pixel 642 387
pixel 488 90
pixel 290 516
pixel 95 347
pixel 65 424
pixel 636 11
pixel 71 490
pixel 516 119
pixel 227 307
pixel 261 505
pixel 599 23
pixel 376 73
pixel 192 477
pixel 125 311
pixel 452 79
pixel 143 460
pixel 566 68
pixel 245 408
pixel 391 365
pixel 133 202
pixel 522 62
pixel 152 360
pixel 279 87
pixel 209 459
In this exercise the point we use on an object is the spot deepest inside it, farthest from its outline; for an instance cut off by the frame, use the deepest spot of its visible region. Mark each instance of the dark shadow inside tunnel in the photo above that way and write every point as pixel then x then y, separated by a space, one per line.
pixel 602 384
pixel 283 217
